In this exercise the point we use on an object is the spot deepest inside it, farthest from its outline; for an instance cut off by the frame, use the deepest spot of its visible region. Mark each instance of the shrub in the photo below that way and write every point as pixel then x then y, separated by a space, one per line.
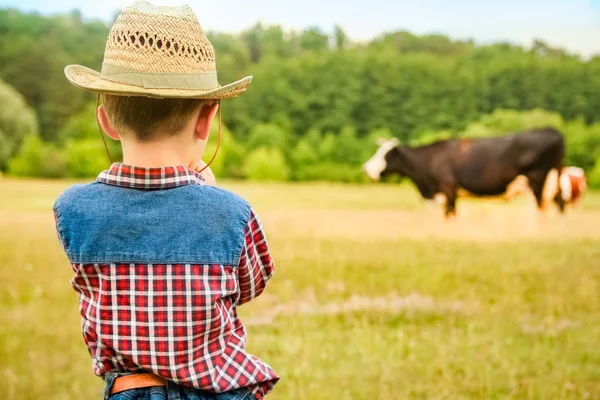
pixel 503 121
pixel 38 159
pixel 266 164
pixel 17 121
pixel 229 159
pixel 594 176
pixel 83 126
pixel 268 135
pixel 330 171
pixel 86 158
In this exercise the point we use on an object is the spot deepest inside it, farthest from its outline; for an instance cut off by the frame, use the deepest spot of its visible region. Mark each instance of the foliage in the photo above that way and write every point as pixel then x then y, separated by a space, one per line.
pixel 582 143
pixel 229 159
pixel 267 135
pixel 318 99
pixel 35 50
pixel 266 164
pixel 17 120
pixel 594 176
pixel 503 121
pixel 84 127
pixel 85 158
pixel 38 159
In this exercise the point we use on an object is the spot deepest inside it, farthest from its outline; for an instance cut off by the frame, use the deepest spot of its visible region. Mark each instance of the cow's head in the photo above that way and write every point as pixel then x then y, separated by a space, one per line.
pixel 378 164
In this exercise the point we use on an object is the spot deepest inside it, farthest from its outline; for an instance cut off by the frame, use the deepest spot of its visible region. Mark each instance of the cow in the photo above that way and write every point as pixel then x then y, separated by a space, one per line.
pixel 573 185
pixel 477 167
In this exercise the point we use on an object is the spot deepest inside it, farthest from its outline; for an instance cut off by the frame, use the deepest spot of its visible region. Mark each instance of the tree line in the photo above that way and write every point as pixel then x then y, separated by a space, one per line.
pixel 317 102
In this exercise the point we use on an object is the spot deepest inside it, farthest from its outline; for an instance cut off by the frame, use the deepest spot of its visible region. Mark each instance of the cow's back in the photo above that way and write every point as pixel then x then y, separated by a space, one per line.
pixel 487 166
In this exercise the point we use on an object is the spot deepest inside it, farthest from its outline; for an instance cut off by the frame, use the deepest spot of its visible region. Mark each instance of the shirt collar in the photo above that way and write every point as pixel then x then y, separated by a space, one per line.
pixel 130 176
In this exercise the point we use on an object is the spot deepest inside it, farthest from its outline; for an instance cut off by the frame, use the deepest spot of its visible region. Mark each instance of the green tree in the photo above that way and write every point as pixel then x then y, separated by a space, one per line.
pixel 268 135
pixel 594 176
pixel 228 163
pixel 582 143
pixel 38 159
pixel 86 158
pixel 266 164
pixel 17 120
pixel 417 88
pixel 83 126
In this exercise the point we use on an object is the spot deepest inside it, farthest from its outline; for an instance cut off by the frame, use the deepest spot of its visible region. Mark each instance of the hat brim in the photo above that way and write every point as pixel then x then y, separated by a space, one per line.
pixel 93 81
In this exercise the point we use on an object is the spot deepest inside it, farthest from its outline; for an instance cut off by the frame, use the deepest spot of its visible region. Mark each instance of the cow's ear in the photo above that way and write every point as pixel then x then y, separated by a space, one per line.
pixel 393 140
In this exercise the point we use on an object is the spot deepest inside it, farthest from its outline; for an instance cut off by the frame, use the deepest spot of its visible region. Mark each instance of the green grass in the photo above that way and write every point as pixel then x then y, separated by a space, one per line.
pixel 375 297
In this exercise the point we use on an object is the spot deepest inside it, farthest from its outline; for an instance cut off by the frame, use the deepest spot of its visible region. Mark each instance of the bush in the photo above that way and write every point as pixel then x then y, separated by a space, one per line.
pixel 266 164
pixel 268 135
pixel 17 121
pixel 229 159
pixel 348 147
pixel 430 137
pixel 503 121
pixel 582 144
pixel 38 159
pixel 83 126
pixel 330 171
pixel 594 176
pixel 86 158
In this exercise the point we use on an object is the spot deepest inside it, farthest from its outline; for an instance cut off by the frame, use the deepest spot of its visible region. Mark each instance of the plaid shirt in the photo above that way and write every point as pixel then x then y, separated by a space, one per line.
pixel 178 319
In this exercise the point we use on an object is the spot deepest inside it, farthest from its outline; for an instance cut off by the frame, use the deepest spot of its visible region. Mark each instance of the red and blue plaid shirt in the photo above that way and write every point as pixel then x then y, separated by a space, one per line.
pixel 156 311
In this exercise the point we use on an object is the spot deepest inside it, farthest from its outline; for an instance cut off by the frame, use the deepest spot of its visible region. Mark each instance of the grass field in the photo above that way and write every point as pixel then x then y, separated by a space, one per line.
pixel 374 297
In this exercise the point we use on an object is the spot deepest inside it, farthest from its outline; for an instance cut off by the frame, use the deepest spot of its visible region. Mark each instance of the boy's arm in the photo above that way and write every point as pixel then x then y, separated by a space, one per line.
pixel 256 265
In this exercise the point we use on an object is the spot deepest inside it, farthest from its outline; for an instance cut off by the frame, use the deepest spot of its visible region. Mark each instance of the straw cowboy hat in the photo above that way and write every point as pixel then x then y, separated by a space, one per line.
pixel 157 51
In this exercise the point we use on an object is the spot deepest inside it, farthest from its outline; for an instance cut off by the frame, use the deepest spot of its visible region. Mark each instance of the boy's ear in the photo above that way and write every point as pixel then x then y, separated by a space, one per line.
pixel 104 122
pixel 204 121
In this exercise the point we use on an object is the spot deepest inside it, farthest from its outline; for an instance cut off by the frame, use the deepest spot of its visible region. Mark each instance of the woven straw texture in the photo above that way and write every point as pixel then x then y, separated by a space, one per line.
pixel 157 51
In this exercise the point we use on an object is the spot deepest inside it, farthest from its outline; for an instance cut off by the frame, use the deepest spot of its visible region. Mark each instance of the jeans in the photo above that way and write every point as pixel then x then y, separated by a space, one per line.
pixel 171 391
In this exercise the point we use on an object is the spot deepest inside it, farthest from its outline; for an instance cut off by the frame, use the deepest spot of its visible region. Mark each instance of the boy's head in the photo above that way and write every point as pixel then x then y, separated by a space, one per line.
pixel 159 76
pixel 146 120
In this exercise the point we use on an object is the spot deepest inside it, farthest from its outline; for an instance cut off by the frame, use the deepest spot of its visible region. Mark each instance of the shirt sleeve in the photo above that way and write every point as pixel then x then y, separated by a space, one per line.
pixel 256 264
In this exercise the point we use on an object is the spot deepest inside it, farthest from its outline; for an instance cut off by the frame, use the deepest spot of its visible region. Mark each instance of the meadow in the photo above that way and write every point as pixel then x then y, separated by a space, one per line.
pixel 375 296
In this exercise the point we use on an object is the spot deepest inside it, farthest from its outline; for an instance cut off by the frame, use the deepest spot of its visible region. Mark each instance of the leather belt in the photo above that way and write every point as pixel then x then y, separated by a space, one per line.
pixel 136 381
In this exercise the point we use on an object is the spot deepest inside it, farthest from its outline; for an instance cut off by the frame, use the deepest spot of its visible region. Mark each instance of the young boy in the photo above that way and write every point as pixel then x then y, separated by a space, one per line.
pixel 161 257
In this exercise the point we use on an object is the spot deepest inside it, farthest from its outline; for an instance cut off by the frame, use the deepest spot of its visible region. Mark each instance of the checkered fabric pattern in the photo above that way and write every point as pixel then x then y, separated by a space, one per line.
pixel 178 321
pixel 149 178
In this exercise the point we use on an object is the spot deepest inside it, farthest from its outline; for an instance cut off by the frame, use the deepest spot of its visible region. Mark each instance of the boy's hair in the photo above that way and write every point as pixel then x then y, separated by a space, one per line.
pixel 145 116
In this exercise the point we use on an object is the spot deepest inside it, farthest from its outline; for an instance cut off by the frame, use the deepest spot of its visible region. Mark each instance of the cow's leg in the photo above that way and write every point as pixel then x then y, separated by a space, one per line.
pixel 553 190
pixel 544 185
pixel 450 194
pixel 518 186
pixel 560 201
pixel 536 184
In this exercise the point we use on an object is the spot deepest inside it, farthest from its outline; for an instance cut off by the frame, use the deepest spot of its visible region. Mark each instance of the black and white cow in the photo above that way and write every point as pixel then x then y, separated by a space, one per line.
pixel 479 167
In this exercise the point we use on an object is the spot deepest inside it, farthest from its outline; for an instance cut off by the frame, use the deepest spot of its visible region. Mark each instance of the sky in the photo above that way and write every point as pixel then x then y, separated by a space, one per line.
pixel 570 24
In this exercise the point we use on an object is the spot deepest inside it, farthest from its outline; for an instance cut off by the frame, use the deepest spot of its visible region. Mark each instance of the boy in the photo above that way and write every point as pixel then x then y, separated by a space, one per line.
pixel 161 257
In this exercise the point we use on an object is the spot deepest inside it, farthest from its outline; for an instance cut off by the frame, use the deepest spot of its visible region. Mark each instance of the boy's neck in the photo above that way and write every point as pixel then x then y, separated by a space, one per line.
pixel 156 154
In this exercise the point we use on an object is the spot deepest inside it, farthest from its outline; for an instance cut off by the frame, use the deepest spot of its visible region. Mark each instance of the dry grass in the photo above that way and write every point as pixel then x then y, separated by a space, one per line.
pixel 375 297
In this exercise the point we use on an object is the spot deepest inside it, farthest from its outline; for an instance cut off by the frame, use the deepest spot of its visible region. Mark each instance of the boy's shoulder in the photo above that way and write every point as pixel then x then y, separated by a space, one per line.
pixel 95 191
pixel 100 222
pixel 74 192
pixel 222 195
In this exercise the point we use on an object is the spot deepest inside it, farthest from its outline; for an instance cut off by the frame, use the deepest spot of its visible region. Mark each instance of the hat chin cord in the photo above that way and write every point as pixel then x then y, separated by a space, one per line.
pixel 199 171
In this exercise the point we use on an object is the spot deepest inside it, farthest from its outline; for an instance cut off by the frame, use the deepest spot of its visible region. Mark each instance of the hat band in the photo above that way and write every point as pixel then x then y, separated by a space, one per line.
pixel 148 80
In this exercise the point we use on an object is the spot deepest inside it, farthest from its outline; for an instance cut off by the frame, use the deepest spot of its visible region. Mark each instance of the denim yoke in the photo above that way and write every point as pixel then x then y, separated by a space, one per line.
pixel 190 224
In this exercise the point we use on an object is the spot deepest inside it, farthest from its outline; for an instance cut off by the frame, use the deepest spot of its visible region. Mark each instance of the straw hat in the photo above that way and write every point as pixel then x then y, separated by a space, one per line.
pixel 157 51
